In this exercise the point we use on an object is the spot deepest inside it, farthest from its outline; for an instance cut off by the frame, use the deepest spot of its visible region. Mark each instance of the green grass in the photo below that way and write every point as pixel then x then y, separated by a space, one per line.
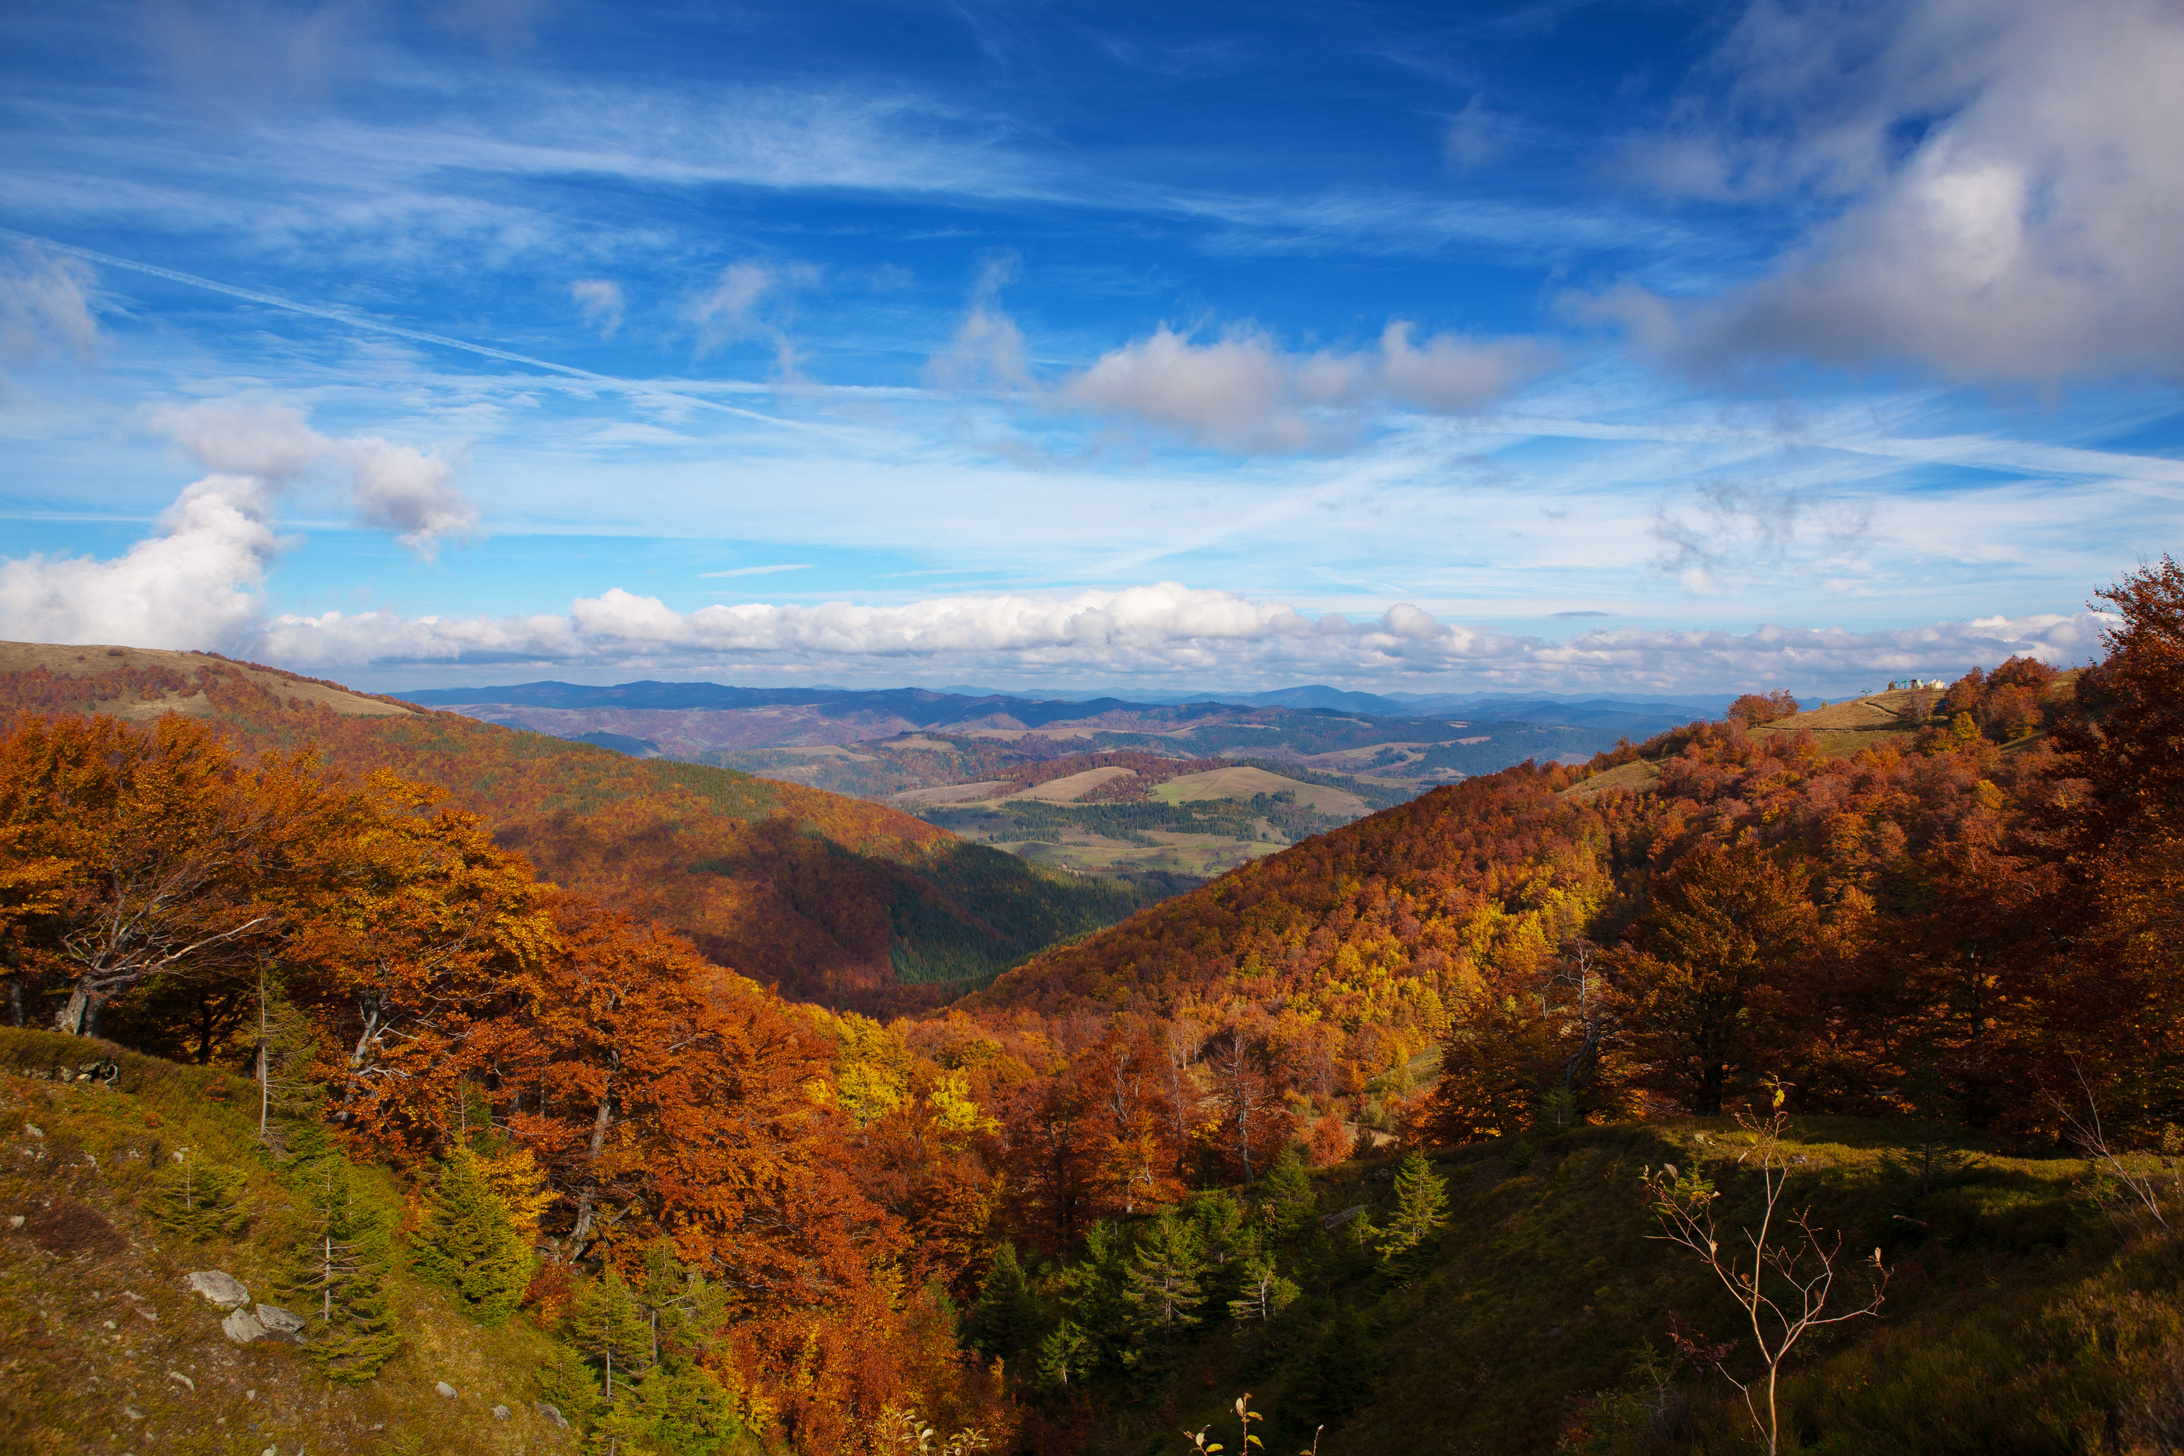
pixel 90 1335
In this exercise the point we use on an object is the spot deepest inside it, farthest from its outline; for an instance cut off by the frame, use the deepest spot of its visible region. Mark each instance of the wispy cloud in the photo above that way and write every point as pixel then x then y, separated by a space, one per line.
pixel 600 301
pixel 44 306
pixel 754 570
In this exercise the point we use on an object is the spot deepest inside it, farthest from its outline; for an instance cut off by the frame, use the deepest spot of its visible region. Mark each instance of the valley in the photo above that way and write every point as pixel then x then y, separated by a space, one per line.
pixel 1383 1124
pixel 971 762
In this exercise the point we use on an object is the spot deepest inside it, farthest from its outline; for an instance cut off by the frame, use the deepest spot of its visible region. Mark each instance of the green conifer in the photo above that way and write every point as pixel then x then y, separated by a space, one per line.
pixel 1340 1375
pixel 610 1329
pixel 1005 1320
pixel 1421 1207
pixel 199 1199
pixel 469 1245
pixel 337 1276
pixel 1065 1356
pixel 1287 1200
pixel 1163 1278
pixel 1264 1292
pixel 570 1386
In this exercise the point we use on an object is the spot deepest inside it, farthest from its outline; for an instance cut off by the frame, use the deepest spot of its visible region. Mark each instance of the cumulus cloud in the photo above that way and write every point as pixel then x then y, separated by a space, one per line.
pixel 1241 391
pixel 988 348
pixel 44 305
pixel 194 585
pixel 599 300
pixel 1244 392
pixel 391 487
pixel 198 581
pixel 2026 232
pixel 262 438
pixel 1166 630
pixel 402 489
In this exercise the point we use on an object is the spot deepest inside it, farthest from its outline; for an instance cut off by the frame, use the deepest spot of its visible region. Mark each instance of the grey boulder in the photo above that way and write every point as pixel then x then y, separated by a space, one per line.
pixel 281 1324
pixel 221 1288
pixel 446 1390
pixel 242 1327
pixel 553 1414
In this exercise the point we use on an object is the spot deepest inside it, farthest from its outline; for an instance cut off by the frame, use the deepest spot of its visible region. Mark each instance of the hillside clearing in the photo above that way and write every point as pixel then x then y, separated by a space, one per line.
pixel 1246 783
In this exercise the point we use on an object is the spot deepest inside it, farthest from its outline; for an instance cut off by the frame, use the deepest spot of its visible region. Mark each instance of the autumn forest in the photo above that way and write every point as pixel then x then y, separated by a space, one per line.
pixel 785 1122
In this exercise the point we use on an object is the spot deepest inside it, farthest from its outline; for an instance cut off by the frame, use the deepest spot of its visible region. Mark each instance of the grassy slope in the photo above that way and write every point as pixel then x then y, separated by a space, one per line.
pixel 826 897
pixel 87 1337
pixel 2019 1318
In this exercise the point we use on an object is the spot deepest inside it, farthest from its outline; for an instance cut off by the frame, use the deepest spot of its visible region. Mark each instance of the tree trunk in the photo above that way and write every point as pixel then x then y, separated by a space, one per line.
pixel 15 1000
pixel 70 1019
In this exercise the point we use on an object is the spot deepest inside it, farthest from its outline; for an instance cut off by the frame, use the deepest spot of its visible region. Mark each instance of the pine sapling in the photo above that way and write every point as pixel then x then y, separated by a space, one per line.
pixel 199 1199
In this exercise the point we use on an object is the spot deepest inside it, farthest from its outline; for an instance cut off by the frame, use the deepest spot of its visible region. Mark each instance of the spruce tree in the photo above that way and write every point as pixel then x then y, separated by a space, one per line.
pixel 570 1386
pixel 338 1273
pixel 1286 1197
pixel 199 1199
pixel 469 1245
pixel 1264 1294
pixel 1005 1320
pixel 1163 1279
pixel 1421 1207
pixel 1096 1292
pixel 1340 1375
pixel 610 1330
pixel 681 1305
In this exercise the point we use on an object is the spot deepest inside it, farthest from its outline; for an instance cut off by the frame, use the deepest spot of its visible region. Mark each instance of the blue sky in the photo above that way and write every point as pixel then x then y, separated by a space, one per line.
pixel 1655 346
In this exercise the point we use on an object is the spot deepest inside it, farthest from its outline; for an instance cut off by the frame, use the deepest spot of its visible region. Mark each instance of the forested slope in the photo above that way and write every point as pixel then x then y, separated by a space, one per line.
pixel 1384 1128
pixel 827 897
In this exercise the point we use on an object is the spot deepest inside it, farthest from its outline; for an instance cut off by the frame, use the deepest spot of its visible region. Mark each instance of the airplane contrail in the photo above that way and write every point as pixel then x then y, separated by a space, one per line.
pixel 360 321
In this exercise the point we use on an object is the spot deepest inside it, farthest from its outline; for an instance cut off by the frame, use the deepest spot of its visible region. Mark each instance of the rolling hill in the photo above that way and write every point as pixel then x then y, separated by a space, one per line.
pixel 829 898
pixel 877 744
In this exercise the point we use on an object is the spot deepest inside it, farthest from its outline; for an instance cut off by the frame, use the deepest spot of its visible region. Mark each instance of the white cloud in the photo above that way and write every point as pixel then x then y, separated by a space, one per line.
pixel 1476 136
pixel 2028 234
pixel 731 310
pixel 246 436
pixel 43 305
pixel 1244 392
pixel 1732 529
pixel 392 487
pixel 988 347
pixel 199 582
pixel 755 570
pixel 402 489
pixel 599 300
pixel 194 585
pixel 1165 631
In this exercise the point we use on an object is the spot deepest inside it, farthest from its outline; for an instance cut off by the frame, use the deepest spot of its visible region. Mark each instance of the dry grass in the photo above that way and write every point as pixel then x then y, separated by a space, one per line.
pixel 65 661
pixel 103 1349
pixel 1244 783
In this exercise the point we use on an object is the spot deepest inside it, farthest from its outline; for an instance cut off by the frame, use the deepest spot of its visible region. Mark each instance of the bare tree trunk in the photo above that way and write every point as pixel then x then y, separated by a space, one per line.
pixel 69 1020
pixel 15 1000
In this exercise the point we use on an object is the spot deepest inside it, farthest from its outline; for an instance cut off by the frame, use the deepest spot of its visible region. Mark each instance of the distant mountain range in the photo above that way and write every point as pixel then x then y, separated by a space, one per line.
pixel 931 708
